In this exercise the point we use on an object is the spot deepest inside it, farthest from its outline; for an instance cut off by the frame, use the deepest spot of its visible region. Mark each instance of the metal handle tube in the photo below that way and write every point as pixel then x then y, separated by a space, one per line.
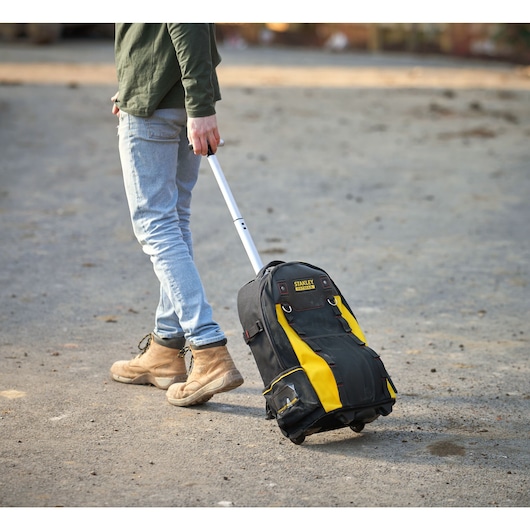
pixel 239 222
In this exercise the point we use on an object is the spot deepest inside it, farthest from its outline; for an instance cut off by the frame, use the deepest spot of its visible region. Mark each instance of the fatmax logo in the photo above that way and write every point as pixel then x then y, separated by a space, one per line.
pixel 304 285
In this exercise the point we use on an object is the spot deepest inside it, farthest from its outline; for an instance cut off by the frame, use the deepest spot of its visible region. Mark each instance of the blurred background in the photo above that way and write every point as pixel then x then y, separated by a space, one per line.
pixel 507 42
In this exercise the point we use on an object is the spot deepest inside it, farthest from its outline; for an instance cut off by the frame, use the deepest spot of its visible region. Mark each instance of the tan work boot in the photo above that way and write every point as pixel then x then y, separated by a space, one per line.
pixel 213 371
pixel 156 365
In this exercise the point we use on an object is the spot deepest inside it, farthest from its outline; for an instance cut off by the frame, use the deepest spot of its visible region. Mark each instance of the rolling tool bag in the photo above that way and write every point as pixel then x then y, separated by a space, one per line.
pixel 318 372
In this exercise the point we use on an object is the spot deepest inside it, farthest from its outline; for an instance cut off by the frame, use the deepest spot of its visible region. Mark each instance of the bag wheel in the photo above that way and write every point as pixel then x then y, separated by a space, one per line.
pixel 358 427
pixel 298 440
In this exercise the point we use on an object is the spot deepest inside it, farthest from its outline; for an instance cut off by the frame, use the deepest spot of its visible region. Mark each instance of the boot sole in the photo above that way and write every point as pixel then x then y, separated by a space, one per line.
pixel 148 379
pixel 229 381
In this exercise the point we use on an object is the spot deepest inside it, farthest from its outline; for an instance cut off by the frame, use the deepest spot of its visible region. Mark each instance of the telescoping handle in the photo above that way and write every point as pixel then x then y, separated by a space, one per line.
pixel 239 222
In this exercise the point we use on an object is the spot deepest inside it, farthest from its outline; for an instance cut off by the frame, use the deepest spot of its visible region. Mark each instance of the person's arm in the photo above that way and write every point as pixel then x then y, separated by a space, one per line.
pixel 194 54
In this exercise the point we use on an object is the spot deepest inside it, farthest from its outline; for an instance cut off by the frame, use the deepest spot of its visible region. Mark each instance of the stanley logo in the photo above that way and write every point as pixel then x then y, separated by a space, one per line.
pixel 304 285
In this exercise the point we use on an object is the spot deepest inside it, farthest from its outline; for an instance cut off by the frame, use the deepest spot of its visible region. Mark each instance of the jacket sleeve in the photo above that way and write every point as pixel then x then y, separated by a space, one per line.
pixel 197 56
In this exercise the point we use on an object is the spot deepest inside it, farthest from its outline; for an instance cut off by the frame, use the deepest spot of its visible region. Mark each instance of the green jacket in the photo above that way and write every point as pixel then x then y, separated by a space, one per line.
pixel 162 66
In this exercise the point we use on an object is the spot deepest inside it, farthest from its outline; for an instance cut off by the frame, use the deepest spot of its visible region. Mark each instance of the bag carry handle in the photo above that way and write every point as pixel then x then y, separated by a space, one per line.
pixel 239 222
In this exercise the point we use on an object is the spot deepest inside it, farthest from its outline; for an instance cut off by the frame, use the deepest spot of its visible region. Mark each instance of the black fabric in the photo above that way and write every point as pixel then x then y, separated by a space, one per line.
pixel 211 345
pixel 176 343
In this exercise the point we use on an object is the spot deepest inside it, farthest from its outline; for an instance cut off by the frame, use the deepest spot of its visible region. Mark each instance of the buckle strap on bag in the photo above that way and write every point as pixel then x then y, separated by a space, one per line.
pixel 252 331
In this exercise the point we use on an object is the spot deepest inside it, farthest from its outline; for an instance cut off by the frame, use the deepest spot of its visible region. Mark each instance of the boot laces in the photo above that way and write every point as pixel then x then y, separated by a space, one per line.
pixel 184 351
pixel 148 339
pixel 144 347
pixel 191 360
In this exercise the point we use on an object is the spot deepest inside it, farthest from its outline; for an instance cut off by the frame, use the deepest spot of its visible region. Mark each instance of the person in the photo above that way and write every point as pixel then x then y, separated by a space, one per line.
pixel 165 104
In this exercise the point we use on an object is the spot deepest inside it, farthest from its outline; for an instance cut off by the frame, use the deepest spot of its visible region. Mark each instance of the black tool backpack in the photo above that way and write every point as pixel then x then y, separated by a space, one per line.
pixel 319 374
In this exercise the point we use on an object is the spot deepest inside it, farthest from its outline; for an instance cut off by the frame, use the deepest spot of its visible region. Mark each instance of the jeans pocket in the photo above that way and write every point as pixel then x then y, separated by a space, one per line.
pixel 165 124
pixel 291 397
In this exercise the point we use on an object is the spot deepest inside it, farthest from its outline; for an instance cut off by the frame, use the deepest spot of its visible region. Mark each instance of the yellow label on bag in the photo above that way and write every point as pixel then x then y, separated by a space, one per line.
pixel 315 367
pixel 304 285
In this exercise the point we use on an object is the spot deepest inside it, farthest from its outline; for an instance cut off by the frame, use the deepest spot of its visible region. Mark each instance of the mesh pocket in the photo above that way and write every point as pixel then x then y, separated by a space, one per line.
pixel 290 397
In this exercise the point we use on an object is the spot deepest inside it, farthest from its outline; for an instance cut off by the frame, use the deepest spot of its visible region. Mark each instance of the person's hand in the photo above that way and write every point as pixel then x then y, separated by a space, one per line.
pixel 115 109
pixel 203 132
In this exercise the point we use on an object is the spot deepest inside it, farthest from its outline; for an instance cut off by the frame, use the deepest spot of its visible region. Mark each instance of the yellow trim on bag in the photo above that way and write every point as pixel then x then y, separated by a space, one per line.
pixel 267 390
pixel 352 321
pixel 316 368
pixel 288 405
pixel 390 389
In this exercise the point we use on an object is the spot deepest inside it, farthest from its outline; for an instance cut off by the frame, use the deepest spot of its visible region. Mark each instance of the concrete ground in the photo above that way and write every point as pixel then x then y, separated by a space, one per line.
pixel 406 178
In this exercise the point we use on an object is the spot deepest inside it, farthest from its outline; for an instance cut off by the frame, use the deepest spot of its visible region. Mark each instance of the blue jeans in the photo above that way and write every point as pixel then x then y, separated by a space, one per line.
pixel 159 173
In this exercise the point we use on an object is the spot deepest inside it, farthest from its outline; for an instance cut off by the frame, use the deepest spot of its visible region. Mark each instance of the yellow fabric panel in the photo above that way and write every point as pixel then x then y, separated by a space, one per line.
pixel 316 368
pixel 354 325
pixel 391 390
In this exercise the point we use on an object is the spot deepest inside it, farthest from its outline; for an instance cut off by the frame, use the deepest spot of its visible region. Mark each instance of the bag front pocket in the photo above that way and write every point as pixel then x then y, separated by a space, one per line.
pixel 291 397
